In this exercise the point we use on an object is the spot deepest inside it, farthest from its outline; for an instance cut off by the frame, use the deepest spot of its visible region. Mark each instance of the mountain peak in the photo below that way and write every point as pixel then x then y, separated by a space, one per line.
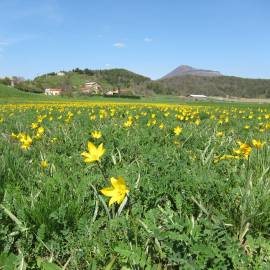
pixel 188 70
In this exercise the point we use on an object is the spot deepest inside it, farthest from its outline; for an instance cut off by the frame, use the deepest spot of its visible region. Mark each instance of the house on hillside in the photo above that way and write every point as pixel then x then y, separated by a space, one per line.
pixel 90 88
pixel 120 92
pixel 112 93
pixel 60 73
pixel 53 91
pixel 197 97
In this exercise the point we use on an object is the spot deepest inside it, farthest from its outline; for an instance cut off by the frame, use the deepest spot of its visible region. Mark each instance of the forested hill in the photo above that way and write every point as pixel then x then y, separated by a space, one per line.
pixel 108 79
pixel 213 86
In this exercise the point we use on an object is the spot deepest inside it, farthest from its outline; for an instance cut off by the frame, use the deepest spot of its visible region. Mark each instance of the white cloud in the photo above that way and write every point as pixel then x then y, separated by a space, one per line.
pixel 119 45
pixel 147 39
pixel 107 65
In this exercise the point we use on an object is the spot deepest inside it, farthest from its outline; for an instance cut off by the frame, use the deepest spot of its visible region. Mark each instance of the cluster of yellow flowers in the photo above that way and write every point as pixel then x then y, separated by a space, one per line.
pixel 25 140
pixel 118 190
pixel 128 123
pixel 39 133
pixel 243 151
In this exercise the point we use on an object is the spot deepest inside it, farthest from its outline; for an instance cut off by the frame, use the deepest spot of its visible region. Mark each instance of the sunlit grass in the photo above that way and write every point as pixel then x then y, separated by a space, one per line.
pixel 135 185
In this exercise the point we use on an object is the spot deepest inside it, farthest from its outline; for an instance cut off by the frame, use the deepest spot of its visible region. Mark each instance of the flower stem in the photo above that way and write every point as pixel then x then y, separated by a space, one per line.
pixel 101 170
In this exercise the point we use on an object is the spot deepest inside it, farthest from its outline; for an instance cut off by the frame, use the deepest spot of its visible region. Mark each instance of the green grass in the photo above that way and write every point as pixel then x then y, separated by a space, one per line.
pixel 7 92
pixel 186 209
pixel 13 95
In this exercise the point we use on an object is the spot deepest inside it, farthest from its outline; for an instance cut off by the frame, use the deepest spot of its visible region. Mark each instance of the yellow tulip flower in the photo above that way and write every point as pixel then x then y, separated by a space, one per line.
pixel 257 144
pixel 177 130
pixel 117 192
pixel 44 164
pixel 94 153
pixel 96 134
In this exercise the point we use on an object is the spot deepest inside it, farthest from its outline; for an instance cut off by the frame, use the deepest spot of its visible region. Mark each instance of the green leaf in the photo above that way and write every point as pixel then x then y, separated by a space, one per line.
pixel 9 261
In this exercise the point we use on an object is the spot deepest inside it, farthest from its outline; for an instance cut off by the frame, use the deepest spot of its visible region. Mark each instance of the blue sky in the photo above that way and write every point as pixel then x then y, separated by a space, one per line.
pixel 150 37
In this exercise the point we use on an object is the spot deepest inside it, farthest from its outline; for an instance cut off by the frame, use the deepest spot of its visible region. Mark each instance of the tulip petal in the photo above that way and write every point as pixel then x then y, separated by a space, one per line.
pixel 109 192
pixel 85 154
pixel 91 147
pixel 114 182
pixel 101 149
pixel 121 181
pixel 113 200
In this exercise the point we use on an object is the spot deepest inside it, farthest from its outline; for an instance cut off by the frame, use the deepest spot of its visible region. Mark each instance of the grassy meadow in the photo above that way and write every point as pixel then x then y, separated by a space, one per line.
pixel 13 95
pixel 134 186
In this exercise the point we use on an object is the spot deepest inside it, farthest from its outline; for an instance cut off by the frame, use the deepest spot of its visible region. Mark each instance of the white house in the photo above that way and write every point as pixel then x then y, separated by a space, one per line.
pixel 197 97
pixel 112 92
pixel 53 91
pixel 60 73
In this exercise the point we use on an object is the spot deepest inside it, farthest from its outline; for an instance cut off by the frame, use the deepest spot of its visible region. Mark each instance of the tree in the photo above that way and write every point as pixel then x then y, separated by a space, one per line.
pixel 67 85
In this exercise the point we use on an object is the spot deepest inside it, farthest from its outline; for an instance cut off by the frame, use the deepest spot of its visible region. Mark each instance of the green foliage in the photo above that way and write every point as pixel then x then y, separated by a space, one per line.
pixel 45 265
pixel 5 81
pixel 30 86
pixel 11 262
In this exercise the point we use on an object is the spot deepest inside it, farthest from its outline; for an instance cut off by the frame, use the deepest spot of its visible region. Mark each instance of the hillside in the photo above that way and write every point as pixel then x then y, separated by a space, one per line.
pixel 72 80
pixel 213 86
pixel 7 93
pixel 188 70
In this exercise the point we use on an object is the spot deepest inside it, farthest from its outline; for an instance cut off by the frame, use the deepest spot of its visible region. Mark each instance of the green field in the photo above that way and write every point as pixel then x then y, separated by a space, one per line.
pixel 13 95
pixel 195 193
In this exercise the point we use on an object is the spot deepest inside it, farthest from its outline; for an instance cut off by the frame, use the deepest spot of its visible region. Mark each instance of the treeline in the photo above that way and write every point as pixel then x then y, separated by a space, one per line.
pixel 116 77
pixel 10 80
pixel 30 86
pixel 213 86
pixel 22 84
pixel 5 81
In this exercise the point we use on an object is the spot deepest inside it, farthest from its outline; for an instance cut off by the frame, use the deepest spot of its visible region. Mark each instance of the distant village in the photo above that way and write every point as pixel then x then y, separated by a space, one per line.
pixel 90 88
pixel 87 88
